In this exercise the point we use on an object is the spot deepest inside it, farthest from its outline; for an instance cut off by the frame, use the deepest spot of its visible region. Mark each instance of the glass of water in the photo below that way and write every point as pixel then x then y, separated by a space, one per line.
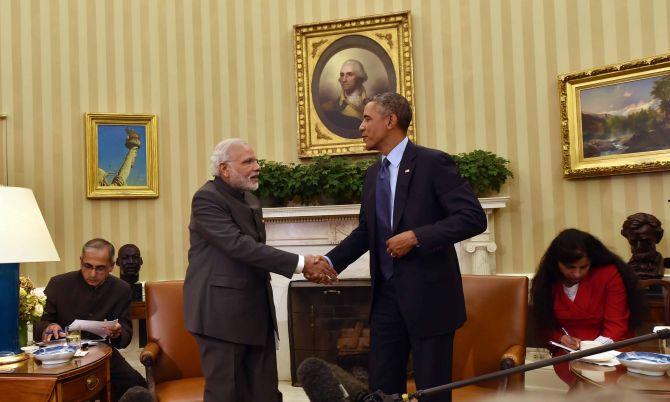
pixel 73 337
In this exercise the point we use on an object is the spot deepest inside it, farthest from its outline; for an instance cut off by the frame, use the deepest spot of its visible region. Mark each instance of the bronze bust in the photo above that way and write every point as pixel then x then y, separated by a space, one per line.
pixel 129 262
pixel 643 232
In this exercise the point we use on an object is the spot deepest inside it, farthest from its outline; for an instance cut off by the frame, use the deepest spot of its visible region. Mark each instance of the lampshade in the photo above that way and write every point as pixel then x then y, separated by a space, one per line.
pixel 24 236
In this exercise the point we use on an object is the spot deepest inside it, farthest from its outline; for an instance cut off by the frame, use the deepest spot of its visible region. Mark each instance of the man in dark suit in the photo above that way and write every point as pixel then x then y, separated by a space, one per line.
pixel 414 207
pixel 228 304
pixel 92 293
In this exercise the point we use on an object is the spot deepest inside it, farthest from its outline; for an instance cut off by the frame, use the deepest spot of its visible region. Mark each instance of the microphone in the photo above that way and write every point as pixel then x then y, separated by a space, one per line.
pixel 357 390
pixel 319 382
pixel 325 382
pixel 137 394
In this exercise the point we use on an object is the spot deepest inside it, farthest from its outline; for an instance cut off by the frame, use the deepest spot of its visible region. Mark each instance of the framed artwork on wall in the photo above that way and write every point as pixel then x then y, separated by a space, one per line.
pixel 616 119
pixel 121 155
pixel 340 64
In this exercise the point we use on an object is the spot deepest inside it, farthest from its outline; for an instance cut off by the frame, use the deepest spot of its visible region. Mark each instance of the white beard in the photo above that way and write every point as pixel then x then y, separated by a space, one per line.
pixel 241 182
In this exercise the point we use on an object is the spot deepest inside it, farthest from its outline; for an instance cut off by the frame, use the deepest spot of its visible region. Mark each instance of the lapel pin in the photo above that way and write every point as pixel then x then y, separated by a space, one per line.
pixel 406 171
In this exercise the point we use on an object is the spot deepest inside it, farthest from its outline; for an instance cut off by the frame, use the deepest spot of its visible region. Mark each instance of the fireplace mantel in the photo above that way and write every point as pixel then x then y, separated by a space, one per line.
pixel 329 212
pixel 317 229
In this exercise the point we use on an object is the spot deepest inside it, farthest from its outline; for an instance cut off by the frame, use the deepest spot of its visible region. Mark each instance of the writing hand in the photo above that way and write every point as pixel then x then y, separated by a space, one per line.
pixel 52 331
pixel 570 341
pixel 401 244
pixel 318 270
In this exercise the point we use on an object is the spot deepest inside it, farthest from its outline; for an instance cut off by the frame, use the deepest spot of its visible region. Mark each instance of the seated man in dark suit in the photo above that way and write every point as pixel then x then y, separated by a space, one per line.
pixel 91 293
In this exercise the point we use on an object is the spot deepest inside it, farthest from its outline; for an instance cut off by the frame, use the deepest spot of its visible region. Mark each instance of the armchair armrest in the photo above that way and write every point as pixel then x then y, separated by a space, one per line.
pixel 148 358
pixel 514 356
pixel 150 354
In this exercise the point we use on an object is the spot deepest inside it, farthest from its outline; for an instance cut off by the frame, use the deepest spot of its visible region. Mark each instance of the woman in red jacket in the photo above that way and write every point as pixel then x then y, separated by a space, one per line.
pixel 583 291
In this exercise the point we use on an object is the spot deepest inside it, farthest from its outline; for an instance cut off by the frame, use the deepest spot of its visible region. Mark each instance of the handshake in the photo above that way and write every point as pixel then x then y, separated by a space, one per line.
pixel 318 270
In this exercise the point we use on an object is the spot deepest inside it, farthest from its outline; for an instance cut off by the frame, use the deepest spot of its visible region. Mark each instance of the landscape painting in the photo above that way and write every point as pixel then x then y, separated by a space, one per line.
pixel 626 118
pixel 616 119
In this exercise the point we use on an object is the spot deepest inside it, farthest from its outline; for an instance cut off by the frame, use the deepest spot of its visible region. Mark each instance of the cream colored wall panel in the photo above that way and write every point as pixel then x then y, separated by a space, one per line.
pixel 485 75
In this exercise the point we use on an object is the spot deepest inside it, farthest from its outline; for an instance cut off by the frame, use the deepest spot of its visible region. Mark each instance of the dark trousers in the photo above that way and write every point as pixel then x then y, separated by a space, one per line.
pixel 391 343
pixel 122 375
pixel 239 373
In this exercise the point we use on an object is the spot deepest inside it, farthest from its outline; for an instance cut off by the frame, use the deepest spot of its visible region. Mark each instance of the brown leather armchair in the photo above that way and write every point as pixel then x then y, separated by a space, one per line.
pixel 171 356
pixel 494 336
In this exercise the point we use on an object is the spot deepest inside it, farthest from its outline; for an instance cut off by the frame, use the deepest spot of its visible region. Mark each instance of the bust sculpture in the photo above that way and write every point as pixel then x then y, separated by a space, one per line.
pixel 129 262
pixel 643 232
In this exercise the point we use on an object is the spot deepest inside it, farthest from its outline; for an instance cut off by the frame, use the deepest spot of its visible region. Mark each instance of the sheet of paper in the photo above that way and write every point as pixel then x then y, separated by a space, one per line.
pixel 94 327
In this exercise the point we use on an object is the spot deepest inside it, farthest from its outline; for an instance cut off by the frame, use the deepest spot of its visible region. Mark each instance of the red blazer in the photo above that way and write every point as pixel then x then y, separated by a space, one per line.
pixel 600 307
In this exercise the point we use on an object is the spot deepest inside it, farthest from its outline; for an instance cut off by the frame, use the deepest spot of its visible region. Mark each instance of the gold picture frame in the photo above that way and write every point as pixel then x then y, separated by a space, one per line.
pixel 616 119
pixel 375 50
pixel 121 155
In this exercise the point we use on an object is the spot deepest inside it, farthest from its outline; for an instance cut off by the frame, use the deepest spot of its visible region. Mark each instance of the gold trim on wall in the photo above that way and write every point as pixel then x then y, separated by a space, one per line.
pixel 599 156
pixel 97 183
pixel 384 40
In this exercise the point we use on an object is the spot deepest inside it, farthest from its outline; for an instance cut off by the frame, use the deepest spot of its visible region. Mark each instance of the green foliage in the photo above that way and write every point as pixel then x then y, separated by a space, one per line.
pixel 340 180
pixel 661 91
pixel 485 171
pixel 277 183
pixel 328 180
pixel 324 181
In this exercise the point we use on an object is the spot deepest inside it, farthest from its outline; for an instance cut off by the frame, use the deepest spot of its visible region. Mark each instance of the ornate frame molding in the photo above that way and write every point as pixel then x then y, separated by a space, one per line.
pixel 575 165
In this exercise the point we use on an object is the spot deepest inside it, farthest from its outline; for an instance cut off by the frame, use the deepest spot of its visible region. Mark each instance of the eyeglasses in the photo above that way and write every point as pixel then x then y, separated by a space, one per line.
pixel 98 270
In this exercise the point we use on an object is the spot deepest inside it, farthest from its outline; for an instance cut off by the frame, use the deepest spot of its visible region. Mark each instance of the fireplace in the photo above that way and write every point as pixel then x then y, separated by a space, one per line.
pixel 329 322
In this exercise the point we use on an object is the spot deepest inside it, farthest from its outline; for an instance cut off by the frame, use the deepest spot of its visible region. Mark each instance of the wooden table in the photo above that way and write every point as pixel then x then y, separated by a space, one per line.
pixel 81 378
pixel 602 376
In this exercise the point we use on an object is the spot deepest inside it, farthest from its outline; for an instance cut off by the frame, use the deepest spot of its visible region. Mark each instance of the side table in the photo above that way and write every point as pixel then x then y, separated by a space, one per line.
pixel 81 378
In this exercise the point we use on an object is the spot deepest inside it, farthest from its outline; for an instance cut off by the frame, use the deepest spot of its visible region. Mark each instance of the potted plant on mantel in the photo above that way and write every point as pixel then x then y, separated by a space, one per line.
pixel 328 181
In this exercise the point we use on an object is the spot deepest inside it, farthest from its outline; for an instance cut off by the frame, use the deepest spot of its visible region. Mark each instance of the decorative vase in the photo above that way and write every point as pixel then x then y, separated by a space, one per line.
pixel 23 334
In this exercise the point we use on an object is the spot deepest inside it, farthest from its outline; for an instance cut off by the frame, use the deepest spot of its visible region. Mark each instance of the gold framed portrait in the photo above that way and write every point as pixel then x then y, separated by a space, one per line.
pixel 616 119
pixel 121 155
pixel 340 64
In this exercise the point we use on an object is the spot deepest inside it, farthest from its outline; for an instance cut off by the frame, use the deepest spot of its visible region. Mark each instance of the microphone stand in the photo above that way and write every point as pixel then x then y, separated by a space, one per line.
pixel 661 334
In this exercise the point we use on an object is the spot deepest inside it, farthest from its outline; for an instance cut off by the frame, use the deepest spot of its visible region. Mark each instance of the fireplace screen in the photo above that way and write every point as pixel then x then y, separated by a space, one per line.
pixel 331 323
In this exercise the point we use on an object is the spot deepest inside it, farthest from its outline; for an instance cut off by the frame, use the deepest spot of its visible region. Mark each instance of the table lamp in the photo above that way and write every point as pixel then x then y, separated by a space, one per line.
pixel 24 237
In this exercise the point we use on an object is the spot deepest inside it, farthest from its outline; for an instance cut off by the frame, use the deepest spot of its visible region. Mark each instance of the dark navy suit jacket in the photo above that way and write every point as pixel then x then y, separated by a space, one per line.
pixel 433 200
